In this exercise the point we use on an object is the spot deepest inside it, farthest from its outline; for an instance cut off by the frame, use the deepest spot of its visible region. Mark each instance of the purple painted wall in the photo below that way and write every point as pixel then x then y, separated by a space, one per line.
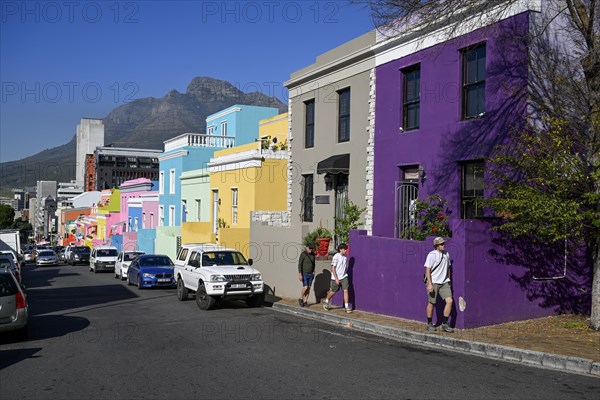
pixel 493 275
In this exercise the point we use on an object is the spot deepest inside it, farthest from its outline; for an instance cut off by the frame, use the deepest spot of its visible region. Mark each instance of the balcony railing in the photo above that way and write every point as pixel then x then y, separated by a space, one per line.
pixel 199 140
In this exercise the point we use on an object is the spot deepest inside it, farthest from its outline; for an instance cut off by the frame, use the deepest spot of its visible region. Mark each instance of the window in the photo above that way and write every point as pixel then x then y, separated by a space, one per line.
pixel 144 220
pixel 135 224
pixel 172 181
pixel 309 125
pixel 234 206
pixel 171 215
pixel 224 128
pixel 307 198
pixel 411 97
pixel 161 216
pixel 198 204
pixel 473 102
pixel 472 190
pixel 183 210
pixel 129 225
pixel 344 115
pixel 151 220
pixel 161 182
pixel 211 130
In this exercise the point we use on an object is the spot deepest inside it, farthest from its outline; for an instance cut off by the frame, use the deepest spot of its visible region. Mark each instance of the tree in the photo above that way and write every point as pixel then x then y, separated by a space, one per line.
pixel 7 216
pixel 548 182
pixel 24 228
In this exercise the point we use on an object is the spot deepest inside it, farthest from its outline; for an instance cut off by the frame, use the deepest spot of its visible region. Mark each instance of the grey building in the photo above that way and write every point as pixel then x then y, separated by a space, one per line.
pixel 114 165
pixel 90 134
pixel 44 211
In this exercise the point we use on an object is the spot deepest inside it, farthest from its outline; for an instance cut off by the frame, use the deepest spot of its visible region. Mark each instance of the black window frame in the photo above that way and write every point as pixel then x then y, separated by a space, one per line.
pixel 307 197
pixel 408 101
pixel 344 114
pixel 473 85
pixel 309 123
pixel 471 197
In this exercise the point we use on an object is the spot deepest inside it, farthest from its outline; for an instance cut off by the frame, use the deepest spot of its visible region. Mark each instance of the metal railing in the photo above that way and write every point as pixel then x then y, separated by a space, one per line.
pixel 199 140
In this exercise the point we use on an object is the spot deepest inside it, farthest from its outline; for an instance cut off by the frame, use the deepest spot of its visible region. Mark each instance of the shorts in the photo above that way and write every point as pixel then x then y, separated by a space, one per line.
pixel 307 279
pixel 344 283
pixel 443 289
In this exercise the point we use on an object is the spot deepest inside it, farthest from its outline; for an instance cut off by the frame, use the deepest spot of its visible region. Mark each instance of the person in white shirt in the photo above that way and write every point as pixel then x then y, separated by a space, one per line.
pixel 437 275
pixel 339 277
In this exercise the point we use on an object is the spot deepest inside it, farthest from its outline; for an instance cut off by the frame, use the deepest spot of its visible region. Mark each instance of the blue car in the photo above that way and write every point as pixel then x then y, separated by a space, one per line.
pixel 150 270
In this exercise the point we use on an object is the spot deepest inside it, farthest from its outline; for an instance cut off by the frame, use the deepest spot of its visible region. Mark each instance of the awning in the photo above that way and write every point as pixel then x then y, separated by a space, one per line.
pixel 335 165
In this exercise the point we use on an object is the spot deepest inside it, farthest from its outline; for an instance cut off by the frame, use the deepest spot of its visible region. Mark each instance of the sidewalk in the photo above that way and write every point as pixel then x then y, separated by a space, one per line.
pixel 560 342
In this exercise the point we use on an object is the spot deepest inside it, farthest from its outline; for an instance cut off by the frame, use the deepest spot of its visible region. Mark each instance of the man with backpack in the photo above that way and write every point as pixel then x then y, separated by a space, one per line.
pixel 437 279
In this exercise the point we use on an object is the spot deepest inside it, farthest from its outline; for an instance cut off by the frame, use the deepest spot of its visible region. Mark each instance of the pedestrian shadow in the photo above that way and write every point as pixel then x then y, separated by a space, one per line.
pixel 322 285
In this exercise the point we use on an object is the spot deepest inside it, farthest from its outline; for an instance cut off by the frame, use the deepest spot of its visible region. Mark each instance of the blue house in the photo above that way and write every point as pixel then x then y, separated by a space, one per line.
pixel 232 126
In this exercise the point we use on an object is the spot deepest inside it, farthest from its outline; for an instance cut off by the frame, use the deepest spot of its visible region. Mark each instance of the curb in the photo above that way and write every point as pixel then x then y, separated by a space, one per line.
pixel 530 358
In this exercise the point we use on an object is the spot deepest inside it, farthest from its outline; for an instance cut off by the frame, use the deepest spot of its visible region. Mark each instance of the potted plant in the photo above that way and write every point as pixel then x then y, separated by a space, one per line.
pixel 323 239
pixel 350 221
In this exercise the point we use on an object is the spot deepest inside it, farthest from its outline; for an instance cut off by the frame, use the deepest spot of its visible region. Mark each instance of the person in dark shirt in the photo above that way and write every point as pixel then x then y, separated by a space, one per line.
pixel 306 273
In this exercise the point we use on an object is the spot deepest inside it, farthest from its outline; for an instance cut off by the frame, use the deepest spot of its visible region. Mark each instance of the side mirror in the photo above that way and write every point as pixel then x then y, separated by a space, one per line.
pixel 194 263
pixel 250 262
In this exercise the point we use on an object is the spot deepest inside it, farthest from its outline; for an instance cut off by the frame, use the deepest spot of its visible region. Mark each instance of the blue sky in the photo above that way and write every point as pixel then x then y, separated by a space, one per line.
pixel 61 61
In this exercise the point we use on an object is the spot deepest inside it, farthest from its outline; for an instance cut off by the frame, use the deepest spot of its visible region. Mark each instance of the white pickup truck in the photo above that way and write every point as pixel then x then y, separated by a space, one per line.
pixel 213 273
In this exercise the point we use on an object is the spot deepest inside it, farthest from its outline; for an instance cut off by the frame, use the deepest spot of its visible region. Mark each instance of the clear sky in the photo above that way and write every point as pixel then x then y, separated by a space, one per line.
pixel 61 61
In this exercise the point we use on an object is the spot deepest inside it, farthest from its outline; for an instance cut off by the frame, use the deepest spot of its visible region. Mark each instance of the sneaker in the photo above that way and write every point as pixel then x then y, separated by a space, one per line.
pixel 447 328
pixel 300 303
pixel 431 327
pixel 348 311
pixel 326 306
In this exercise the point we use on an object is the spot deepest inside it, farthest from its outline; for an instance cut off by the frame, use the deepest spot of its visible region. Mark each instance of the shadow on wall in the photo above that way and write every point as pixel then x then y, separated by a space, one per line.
pixel 543 278
pixel 322 285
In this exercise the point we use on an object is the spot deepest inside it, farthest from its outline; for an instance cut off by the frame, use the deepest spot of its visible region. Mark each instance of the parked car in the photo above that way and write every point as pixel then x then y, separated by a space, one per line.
pixel 149 270
pixel 46 257
pixel 28 256
pixel 7 263
pixel 103 258
pixel 125 259
pixel 67 255
pixel 60 253
pixel 14 256
pixel 13 305
pixel 79 255
pixel 214 272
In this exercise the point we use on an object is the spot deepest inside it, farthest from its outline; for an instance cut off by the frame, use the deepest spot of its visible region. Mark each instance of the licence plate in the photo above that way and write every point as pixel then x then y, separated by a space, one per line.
pixel 238 285
pixel 164 280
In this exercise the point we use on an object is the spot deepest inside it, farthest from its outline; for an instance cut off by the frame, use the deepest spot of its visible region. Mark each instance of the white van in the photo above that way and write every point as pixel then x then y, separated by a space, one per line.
pixel 103 258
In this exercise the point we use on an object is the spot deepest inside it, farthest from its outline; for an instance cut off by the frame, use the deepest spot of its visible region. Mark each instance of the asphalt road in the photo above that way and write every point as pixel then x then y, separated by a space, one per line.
pixel 93 337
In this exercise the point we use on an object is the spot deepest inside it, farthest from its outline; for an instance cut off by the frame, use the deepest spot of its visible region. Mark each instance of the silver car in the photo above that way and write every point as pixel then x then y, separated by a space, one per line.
pixel 7 262
pixel 46 257
pixel 13 305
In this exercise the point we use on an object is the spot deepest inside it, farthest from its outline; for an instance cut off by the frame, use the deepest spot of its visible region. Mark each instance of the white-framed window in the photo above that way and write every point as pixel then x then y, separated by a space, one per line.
pixel 172 181
pixel 198 209
pixel 151 220
pixel 171 215
pixel 143 220
pixel 161 215
pixel 161 182
pixel 184 210
pixel 135 224
pixel 129 225
pixel 224 128
pixel 234 206
pixel 211 130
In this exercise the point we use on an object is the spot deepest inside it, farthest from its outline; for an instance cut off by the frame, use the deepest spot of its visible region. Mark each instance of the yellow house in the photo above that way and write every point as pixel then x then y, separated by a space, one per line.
pixel 250 177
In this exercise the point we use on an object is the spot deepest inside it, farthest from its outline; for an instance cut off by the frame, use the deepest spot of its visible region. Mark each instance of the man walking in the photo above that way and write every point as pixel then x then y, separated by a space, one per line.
pixel 339 277
pixel 306 273
pixel 437 275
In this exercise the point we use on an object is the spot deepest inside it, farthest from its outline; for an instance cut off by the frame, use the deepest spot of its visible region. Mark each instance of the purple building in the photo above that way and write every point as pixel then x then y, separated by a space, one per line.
pixel 442 104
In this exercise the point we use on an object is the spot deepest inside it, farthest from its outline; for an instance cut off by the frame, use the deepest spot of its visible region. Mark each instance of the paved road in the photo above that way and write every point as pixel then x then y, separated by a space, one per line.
pixel 94 337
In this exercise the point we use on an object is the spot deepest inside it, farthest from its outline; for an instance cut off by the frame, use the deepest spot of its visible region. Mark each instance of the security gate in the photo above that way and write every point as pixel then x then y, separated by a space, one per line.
pixel 405 217
pixel 341 197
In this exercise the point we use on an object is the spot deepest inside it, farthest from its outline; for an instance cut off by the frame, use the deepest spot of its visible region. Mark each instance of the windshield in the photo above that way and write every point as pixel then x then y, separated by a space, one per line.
pixel 46 253
pixel 156 261
pixel 107 253
pixel 84 249
pixel 8 287
pixel 130 256
pixel 223 258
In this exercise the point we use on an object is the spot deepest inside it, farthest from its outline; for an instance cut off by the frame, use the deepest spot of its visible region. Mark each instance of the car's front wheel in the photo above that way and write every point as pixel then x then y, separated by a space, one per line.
pixel 139 282
pixel 203 299
pixel 255 300
pixel 182 291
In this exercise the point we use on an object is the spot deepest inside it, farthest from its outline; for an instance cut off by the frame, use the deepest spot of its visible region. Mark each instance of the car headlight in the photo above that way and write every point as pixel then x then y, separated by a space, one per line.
pixel 256 277
pixel 76 257
pixel 217 278
pixel 148 275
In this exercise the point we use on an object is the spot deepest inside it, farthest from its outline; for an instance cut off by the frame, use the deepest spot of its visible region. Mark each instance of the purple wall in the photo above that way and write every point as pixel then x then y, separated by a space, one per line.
pixel 493 275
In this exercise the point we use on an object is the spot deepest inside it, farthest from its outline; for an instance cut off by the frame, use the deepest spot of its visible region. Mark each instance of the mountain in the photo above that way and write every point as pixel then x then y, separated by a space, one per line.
pixel 142 123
